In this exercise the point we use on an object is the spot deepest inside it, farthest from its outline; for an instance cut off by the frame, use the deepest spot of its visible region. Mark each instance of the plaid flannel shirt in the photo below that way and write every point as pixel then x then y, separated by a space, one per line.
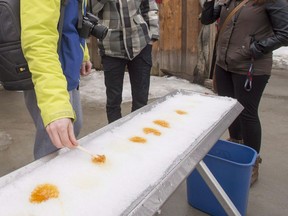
pixel 132 25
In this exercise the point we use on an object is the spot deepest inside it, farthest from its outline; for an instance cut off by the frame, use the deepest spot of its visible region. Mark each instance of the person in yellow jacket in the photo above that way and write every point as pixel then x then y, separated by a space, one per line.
pixel 54 103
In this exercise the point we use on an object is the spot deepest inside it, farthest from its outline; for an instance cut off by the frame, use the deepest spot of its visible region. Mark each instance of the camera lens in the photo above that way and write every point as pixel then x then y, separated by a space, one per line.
pixel 99 31
pixel 84 32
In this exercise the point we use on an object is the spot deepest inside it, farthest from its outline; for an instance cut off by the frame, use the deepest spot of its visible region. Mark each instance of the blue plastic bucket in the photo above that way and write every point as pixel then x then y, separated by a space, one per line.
pixel 231 164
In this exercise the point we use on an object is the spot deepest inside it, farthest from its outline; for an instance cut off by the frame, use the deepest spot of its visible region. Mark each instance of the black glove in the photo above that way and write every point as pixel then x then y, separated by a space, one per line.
pixel 256 50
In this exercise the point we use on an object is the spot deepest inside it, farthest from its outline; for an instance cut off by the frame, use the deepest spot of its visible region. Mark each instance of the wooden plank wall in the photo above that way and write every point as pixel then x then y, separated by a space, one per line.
pixel 176 51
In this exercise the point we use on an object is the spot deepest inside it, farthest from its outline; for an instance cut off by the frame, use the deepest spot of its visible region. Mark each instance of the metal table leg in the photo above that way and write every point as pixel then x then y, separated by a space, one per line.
pixel 217 190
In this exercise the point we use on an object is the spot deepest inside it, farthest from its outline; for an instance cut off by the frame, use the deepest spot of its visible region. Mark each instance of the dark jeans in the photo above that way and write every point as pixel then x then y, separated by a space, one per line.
pixel 247 126
pixel 139 73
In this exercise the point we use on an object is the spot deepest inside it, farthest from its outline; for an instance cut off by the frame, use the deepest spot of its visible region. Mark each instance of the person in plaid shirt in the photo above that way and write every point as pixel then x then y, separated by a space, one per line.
pixel 133 27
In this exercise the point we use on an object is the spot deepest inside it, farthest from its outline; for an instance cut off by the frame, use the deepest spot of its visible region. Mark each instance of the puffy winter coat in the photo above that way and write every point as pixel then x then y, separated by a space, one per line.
pixel 251 35
pixel 52 74
pixel 132 25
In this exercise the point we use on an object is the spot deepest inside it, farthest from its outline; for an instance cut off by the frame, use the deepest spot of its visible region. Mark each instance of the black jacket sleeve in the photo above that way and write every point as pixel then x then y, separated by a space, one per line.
pixel 210 13
pixel 278 14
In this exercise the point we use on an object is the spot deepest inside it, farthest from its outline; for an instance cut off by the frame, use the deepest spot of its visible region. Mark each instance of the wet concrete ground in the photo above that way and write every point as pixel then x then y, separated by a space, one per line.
pixel 267 197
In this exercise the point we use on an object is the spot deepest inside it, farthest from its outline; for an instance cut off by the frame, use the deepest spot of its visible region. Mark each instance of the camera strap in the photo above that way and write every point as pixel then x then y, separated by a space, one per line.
pixel 80 16
pixel 90 6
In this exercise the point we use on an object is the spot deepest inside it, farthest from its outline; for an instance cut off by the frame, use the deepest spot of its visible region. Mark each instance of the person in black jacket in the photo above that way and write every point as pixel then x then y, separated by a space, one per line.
pixel 244 58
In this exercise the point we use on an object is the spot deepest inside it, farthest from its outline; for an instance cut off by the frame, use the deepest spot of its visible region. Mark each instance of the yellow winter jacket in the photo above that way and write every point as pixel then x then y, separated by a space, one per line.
pixel 39 38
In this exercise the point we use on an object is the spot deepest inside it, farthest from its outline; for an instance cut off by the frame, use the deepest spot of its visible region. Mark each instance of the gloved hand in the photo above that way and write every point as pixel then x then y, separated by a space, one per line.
pixel 256 50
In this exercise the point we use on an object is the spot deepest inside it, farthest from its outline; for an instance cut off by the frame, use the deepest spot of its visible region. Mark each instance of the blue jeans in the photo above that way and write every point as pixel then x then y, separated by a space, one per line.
pixel 43 145
pixel 139 73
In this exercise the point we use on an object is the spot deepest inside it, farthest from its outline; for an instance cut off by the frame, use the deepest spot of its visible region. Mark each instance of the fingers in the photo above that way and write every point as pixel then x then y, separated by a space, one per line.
pixel 61 133
pixel 71 135
pixel 55 139
pixel 86 68
pixel 83 69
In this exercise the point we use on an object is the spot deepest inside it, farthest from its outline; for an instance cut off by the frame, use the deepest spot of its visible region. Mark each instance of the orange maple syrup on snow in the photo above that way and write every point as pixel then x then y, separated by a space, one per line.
pixel 99 159
pixel 138 139
pixel 43 193
pixel 152 131
pixel 181 112
pixel 162 123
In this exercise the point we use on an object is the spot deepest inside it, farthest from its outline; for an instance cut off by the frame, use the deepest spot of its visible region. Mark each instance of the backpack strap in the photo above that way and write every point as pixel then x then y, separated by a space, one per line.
pixel 61 21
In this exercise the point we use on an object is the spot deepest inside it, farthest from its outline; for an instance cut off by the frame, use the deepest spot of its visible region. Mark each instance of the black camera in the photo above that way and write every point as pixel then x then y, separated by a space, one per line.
pixel 91 26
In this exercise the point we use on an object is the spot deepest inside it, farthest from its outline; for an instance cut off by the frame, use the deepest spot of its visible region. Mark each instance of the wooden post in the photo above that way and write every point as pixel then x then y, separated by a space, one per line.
pixel 205 49
pixel 94 55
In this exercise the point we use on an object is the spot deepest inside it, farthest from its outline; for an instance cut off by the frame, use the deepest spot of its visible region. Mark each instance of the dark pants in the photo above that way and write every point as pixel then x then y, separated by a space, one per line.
pixel 139 73
pixel 247 126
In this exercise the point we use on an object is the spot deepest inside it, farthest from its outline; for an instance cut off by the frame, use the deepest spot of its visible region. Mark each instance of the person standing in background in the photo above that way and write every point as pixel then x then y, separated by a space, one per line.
pixel 54 103
pixel 133 27
pixel 244 58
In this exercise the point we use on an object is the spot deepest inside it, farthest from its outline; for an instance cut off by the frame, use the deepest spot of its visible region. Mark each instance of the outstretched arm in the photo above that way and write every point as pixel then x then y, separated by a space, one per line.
pixel 39 38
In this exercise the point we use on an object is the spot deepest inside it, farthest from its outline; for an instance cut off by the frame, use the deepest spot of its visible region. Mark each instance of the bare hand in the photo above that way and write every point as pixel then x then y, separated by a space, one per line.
pixel 61 133
pixel 86 68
